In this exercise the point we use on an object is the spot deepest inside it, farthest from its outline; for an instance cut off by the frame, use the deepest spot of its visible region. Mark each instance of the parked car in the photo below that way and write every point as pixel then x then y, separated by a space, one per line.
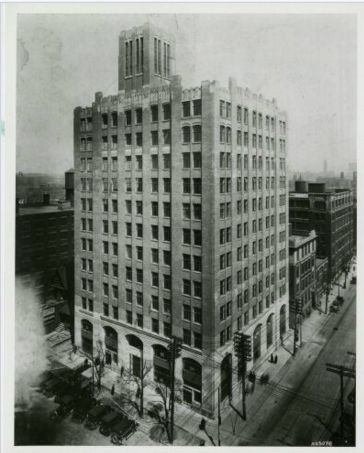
pixel 109 421
pixel 64 409
pixel 95 416
pixel 154 409
pixel 82 408
pixel 50 387
pixel 334 309
pixel 123 430
pixel 353 281
pixel 340 299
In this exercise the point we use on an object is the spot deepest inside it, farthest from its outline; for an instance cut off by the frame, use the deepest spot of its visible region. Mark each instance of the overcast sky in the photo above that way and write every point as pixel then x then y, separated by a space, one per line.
pixel 307 62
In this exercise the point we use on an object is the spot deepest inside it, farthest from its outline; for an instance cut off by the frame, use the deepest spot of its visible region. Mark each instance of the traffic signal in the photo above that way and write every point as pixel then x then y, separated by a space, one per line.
pixel 238 341
pixel 175 347
pixel 247 342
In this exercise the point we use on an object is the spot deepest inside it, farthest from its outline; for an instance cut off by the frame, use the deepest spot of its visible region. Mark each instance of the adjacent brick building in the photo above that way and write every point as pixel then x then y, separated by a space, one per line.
pixel 180 222
pixel 330 214
pixel 302 273
pixel 44 256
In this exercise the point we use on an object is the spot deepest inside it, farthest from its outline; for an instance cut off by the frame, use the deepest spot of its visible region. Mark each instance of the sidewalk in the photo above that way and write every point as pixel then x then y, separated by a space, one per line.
pixel 187 421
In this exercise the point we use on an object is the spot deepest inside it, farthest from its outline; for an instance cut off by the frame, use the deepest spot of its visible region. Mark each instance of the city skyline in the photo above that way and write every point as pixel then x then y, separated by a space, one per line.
pixel 311 81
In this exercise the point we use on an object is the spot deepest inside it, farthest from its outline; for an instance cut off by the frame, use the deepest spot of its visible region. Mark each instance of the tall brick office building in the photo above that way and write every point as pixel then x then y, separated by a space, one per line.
pixel 330 213
pixel 180 222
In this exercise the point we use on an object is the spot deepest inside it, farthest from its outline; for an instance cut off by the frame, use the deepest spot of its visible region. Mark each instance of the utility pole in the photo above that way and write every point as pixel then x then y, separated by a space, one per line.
pixel 142 384
pixel 341 371
pixel 242 348
pixel 297 311
pixel 328 286
pixel 218 417
pixel 175 348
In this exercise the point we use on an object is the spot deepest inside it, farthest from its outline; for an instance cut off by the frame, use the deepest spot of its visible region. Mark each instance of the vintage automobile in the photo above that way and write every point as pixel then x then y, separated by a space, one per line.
pixel 353 281
pixel 334 309
pixel 82 408
pixel 123 430
pixel 154 409
pixel 109 421
pixel 95 416
pixel 64 409
pixel 49 388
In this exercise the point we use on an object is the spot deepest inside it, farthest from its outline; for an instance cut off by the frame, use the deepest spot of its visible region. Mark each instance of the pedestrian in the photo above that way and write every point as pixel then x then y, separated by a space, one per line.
pixel 121 371
pixel 271 358
pixel 276 359
pixel 113 390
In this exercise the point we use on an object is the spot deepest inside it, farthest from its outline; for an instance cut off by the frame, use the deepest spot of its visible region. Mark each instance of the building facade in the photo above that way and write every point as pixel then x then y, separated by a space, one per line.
pixel 302 274
pixel 180 222
pixel 322 267
pixel 330 214
pixel 44 256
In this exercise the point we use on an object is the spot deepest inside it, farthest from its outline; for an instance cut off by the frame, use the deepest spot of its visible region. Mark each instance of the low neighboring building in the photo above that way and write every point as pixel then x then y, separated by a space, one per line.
pixel 322 267
pixel 302 281
pixel 69 178
pixel 330 213
pixel 45 259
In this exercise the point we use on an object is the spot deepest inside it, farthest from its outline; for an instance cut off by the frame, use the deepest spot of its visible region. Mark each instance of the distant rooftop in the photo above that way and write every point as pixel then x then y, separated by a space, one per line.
pixel 31 210
pixel 295 240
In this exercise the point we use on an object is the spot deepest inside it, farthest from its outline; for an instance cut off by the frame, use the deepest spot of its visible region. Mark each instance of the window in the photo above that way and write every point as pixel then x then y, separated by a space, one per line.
pixel 186 109
pixel 186 312
pixel 166 161
pixel 186 185
pixel 187 287
pixel 197 211
pixel 167 209
pixel 155 279
pixel 105 247
pixel 167 233
pixel 197 160
pixel 228 135
pixel 128 117
pixel 186 261
pixel 139 230
pixel 167 330
pixel 139 207
pixel 138 116
pixel 166 112
pixel 114 206
pixel 197 107
pixel 239 138
pixel 129 273
pixel 139 162
pixel 197 234
pixel 139 252
pixel 197 289
pixel 154 112
pixel 155 232
pixel 154 137
pixel 222 134
pixel 155 325
pixel 167 257
pixel 186 157
pixel 128 139
pixel 186 236
pixel 167 283
pixel 166 185
pixel 105 290
pixel 197 315
pixel 197 133
pixel 154 185
pixel 139 139
pixel 197 263
pixel 106 309
pixel 166 136
pixel 186 134
pixel 187 337
pixel 197 185
pixel 139 320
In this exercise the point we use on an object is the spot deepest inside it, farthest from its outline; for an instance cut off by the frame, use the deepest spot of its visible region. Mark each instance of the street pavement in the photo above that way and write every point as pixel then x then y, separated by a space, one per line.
pixel 299 405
